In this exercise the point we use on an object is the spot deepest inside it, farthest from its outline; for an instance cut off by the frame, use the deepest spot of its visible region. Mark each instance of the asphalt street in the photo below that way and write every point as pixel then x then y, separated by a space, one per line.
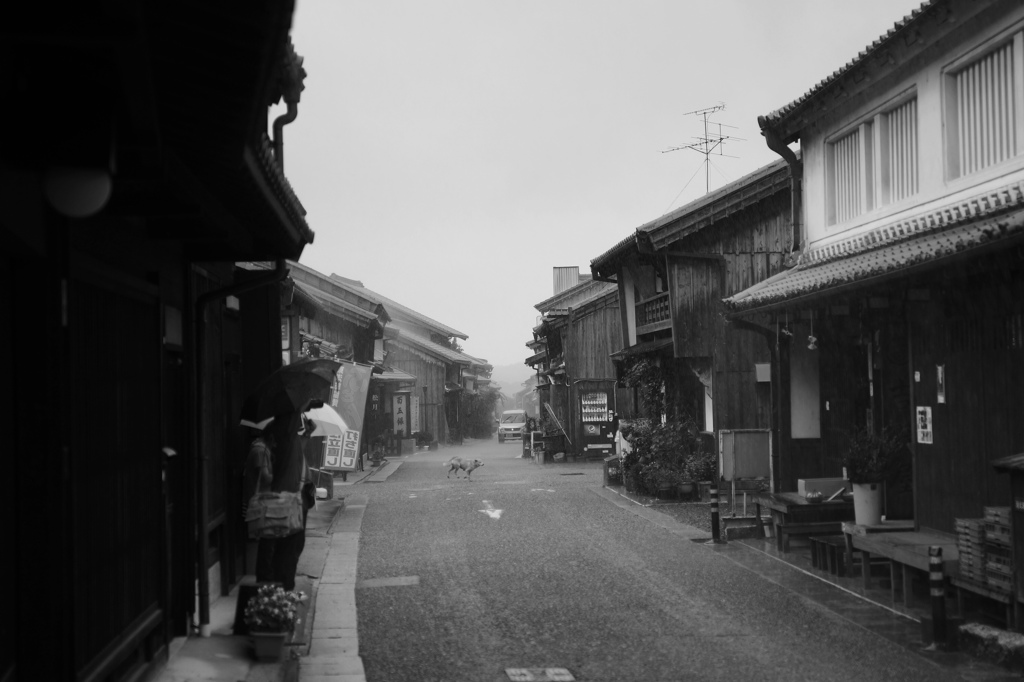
pixel 535 567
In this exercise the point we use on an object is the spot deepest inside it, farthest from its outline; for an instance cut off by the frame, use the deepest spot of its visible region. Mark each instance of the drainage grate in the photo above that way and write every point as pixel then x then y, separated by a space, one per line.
pixel 575 473
pixel 539 675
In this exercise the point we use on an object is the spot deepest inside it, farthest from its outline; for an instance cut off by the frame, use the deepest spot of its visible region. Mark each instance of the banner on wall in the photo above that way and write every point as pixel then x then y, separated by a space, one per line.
pixel 348 398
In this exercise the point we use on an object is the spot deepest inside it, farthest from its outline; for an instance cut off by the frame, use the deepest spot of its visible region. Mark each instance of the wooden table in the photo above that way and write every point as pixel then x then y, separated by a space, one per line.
pixel 792 514
pixel 910 551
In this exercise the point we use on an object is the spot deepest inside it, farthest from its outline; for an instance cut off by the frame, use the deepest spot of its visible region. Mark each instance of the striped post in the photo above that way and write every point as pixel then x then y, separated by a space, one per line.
pixel 716 533
pixel 937 586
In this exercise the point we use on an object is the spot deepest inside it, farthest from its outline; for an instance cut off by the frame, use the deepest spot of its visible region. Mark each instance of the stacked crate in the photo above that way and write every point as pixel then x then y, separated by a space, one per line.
pixel 970 545
pixel 998 552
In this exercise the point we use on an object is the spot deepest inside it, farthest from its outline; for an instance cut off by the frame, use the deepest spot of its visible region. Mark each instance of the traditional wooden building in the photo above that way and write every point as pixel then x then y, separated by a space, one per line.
pixel 671 275
pixel 573 344
pixel 902 304
pixel 120 226
pixel 425 371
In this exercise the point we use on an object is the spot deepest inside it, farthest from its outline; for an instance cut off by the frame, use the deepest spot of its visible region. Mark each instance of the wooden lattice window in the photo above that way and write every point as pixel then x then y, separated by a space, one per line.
pixel 985 108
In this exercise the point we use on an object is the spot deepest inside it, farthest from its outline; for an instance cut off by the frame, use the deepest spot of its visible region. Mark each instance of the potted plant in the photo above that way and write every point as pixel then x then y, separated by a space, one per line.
pixel 870 460
pixel 270 615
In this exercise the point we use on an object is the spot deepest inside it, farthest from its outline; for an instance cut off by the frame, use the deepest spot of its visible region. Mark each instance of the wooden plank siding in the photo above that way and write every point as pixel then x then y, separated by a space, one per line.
pixel 729 256
pixel 591 334
pixel 429 373
pixel 974 328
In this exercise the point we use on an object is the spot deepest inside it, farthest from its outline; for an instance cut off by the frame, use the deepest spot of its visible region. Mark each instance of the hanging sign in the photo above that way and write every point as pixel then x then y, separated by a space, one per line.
pixel 940 382
pixel 924 425
pixel 348 398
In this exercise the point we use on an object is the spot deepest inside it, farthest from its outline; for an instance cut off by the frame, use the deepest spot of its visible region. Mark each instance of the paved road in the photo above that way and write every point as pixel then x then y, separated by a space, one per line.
pixel 530 566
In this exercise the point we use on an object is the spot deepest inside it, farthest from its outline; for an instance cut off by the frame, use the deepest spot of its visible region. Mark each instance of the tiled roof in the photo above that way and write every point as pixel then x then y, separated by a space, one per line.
pixel 878 47
pixel 398 310
pixel 699 213
pixel 924 241
pixel 336 306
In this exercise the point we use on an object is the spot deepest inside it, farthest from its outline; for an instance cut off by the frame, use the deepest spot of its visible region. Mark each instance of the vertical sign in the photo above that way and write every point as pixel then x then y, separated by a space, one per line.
pixel 940 382
pixel 400 410
pixel 924 425
pixel 348 398
pixel 414 413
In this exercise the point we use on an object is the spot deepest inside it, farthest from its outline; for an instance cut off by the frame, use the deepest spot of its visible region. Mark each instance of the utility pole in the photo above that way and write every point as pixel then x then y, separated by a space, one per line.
pixel 708 143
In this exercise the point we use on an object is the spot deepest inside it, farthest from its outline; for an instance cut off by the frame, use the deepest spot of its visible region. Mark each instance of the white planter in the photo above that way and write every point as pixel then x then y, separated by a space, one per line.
pixel 867 503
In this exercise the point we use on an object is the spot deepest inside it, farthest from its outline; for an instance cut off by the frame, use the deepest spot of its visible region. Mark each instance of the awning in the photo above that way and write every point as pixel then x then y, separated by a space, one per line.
pixel 392 374
pixel 641 348
pixel 537 357
pixel 893 251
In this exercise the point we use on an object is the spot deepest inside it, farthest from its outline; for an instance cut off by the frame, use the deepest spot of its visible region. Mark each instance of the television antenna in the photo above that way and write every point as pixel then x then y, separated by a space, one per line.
pixel 710 142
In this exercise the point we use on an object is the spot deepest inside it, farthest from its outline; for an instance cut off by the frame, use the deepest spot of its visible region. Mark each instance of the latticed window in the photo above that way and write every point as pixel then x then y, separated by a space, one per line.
pixel 899 151
pixel 847 180
pixel 875 164
pixel 984 102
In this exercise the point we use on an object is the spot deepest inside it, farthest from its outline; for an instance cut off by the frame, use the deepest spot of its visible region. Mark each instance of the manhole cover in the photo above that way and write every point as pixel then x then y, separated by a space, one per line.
pixel 539 675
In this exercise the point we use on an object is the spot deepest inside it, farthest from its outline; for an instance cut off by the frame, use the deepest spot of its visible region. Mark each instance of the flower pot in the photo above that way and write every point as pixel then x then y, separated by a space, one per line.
pixel 867 503
pixel 268 646
pixel 686 489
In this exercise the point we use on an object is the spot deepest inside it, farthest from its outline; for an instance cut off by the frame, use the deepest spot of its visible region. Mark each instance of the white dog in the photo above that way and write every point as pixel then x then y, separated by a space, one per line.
pixel 467 465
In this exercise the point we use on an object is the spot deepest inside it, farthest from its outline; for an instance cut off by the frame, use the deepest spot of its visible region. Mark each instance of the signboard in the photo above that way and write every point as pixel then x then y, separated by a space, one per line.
pixel 348 398
pixel 924 425
pixel 414 413
pixel 400 410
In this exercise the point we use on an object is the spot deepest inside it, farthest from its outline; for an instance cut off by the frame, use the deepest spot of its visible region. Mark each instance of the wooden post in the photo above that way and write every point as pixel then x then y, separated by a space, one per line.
pixel 937 584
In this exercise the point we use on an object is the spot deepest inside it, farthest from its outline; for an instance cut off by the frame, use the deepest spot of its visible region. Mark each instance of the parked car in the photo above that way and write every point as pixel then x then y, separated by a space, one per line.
pixel 512 425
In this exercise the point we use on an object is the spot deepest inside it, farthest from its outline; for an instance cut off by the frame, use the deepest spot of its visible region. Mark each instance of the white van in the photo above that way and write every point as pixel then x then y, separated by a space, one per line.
pixel 512 425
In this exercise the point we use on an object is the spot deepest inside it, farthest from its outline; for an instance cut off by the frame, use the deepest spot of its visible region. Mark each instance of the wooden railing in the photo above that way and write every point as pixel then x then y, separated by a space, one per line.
pixel 653 310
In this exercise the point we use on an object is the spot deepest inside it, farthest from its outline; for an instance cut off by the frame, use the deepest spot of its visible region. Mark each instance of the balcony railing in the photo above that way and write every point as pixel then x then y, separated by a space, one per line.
pixel 654 312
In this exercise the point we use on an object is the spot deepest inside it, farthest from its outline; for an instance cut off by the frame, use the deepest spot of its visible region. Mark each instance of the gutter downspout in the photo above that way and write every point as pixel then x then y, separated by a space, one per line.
pixel 796 181
pixel 279 123
pixel 202 303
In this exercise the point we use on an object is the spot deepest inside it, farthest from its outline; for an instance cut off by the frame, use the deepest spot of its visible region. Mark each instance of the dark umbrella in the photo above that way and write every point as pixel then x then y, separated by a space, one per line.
pixel 289 389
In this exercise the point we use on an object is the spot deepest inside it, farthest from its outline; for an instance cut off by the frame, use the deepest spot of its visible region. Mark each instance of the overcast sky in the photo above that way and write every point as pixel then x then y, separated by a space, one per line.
pixel 451 153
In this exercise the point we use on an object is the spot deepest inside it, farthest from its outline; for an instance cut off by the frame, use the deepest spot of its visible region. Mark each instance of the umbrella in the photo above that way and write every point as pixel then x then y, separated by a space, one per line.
pixel 327 421
pixel 289 389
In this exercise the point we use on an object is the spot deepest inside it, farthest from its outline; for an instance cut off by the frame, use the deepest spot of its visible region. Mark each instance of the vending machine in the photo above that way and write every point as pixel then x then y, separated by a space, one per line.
pixel 597 414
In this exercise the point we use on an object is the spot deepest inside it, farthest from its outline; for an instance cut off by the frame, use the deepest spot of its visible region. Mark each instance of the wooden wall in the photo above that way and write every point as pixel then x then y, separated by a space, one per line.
pixel 590 336
pixel 973 326
pixel 429 373
pixel 748 247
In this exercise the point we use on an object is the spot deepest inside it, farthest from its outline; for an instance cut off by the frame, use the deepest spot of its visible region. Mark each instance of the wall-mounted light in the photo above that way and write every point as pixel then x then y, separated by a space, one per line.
pixel 77 192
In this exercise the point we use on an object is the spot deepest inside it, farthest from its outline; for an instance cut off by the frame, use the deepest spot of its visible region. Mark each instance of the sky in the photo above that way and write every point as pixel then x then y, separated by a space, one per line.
pixel 450 154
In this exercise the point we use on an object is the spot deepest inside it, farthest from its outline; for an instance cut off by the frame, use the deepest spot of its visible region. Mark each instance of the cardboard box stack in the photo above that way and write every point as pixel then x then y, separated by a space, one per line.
pixel 970 544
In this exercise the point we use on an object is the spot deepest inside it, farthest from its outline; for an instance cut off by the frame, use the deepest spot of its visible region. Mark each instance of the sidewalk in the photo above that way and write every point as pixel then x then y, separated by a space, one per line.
pixel 327 642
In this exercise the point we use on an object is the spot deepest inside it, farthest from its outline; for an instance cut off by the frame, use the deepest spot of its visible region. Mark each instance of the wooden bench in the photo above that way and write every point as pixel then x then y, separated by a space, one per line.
pixel 784 530
pixel 907 553
pixel 828 552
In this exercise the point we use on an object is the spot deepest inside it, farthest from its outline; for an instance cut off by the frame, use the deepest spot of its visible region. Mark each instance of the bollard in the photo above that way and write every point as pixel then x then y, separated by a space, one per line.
pixel 716 533
pixel 937 585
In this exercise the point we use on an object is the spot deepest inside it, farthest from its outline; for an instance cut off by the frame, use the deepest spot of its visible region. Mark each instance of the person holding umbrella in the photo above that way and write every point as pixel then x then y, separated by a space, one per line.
pixel 277 406
pixel 278 558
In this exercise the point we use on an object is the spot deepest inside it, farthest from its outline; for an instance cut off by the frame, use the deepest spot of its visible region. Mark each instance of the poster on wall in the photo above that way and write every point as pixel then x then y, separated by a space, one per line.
pixel 924 425
pixel 348 398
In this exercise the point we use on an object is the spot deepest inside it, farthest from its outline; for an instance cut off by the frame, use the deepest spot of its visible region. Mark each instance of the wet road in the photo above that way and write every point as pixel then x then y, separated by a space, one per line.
pixel 529 567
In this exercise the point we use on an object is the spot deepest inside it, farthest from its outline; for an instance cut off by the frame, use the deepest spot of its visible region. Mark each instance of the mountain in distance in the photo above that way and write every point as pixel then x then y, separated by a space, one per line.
pixel 511 377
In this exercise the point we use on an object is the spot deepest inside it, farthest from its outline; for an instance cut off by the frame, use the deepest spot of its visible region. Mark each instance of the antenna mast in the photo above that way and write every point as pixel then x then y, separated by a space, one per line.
pixel 708 143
